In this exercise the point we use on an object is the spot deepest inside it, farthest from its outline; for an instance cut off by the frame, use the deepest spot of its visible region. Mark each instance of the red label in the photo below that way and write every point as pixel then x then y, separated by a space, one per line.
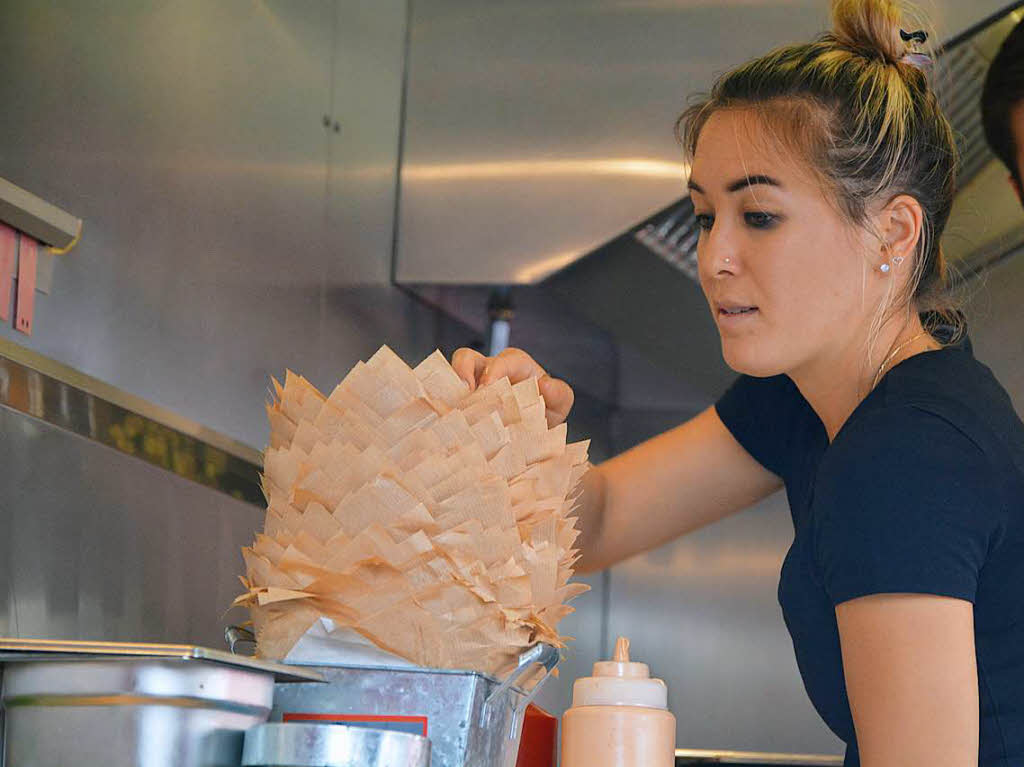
pixel 26 285
pixel 417 725
pixel 8 244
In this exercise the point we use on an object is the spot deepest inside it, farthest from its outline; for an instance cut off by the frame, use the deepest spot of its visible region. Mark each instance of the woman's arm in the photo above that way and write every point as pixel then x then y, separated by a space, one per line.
pixel 672 484
pixel 668 486
pixel 912 679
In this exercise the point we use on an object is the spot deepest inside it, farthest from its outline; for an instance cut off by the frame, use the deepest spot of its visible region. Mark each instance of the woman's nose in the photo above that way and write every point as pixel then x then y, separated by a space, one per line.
pixel 717 254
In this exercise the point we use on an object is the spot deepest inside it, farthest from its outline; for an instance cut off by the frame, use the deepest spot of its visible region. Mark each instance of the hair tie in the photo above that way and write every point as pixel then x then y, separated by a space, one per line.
pixel 920 61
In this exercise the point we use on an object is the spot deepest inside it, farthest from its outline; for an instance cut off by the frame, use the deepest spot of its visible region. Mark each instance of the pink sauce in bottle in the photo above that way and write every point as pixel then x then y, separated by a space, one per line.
pixel 619 717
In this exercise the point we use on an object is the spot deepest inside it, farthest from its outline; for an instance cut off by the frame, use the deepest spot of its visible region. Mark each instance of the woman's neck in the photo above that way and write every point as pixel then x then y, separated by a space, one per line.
pixel 836 385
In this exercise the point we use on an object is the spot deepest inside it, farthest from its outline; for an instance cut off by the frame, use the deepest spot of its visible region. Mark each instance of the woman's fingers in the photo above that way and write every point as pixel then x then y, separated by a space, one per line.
pixel 558 399
pixel 515 364
pixel 469 364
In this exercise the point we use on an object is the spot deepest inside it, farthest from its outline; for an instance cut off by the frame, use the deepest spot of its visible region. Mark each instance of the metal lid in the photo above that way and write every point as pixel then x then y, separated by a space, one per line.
pixel 332 745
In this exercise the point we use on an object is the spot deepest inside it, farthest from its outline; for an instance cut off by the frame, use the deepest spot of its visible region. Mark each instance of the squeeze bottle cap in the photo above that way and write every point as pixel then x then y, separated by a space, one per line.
pixel 620 682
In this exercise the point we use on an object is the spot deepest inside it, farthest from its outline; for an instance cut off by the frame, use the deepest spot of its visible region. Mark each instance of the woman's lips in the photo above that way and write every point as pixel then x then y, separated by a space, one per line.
pixel 731 319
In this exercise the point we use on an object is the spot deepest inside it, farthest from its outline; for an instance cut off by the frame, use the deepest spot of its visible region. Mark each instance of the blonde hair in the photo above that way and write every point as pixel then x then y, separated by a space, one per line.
pixel 868 124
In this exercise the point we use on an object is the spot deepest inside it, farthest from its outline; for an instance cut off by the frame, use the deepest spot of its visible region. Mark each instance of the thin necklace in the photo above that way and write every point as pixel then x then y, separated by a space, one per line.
pixel 895 351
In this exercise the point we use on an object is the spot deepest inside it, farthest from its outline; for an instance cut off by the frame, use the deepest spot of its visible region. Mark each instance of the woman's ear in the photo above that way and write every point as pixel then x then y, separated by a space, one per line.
pixel 901 224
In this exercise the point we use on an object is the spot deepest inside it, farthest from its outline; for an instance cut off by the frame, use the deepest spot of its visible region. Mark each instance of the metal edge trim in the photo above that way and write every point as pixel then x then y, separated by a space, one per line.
pixel 67 399
pixel 73 646
pixel 281 673
pixel 35 216
pixel 108 393
pixel 114 701
pixel 410 669
pixel 36 650
pixel 756 757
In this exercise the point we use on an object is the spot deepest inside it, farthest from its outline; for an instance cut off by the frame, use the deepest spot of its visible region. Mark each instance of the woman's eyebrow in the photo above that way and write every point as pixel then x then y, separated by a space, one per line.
pixel 746 181
pixel 739 184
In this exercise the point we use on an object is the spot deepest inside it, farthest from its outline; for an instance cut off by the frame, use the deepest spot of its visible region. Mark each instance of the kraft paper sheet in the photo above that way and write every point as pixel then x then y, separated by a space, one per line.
pixel 423 520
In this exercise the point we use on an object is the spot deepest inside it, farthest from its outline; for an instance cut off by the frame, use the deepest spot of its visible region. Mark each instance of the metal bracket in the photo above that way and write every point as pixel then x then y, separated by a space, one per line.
pixel 543 654
pixel 236 635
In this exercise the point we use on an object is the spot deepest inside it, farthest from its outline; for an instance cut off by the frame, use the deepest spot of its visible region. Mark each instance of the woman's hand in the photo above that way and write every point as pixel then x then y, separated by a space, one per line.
pixel 478 370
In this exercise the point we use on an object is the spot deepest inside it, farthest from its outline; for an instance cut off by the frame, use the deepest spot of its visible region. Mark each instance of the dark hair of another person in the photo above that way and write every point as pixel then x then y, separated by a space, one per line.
pixel 1004 90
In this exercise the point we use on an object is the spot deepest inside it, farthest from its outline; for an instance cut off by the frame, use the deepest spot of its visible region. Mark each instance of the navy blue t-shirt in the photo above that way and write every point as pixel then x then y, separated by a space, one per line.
pixel 921 491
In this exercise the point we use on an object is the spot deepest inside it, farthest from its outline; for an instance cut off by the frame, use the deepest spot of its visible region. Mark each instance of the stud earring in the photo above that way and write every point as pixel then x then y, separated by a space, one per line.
pixel 884 268
pixel 897 260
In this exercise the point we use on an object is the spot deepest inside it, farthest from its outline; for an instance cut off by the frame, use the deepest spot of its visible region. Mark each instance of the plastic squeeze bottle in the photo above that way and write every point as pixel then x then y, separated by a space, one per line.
pixel 619 717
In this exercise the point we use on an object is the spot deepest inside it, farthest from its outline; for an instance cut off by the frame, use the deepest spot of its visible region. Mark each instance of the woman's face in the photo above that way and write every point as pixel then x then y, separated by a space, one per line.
pixel 772 241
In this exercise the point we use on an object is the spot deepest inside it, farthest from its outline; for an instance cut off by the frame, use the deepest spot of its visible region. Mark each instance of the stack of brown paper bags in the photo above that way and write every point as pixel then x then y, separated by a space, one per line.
pixel 435 522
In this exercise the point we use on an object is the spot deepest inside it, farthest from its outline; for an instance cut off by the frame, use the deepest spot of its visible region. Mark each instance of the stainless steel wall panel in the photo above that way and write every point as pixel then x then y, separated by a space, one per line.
pixel 703 612
pixel 368 65
pixel 95 544
pixel 189 136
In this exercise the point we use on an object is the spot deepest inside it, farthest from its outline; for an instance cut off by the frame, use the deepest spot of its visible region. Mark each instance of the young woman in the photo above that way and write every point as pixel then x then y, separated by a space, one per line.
pixel 822 175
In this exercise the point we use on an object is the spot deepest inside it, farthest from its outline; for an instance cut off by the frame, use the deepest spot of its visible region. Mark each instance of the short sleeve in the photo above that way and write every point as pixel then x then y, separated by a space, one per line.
pixel 905 502
pixel 768 417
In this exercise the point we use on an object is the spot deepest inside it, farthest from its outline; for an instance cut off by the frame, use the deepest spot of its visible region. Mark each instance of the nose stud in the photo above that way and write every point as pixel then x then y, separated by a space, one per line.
pixel 727 260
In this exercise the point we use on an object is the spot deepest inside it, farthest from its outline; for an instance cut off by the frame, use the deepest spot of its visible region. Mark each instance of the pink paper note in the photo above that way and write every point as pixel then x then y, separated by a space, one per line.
pixel 26 285
pixel 8 242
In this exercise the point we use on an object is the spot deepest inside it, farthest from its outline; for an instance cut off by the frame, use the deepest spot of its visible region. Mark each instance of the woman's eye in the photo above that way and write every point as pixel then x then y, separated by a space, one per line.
pixel 705 221
pixel 760 220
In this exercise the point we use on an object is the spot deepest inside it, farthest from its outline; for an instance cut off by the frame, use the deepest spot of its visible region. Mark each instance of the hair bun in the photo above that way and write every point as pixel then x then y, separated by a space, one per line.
pixel 870 26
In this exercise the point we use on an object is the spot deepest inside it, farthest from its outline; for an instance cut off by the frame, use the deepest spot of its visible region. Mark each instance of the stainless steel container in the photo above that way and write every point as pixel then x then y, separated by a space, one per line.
pixel 332 745
pixel 131 705
pixel 472 720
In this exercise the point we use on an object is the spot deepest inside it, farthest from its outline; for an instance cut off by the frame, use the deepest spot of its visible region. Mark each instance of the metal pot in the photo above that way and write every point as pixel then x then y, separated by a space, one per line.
pixel 119 705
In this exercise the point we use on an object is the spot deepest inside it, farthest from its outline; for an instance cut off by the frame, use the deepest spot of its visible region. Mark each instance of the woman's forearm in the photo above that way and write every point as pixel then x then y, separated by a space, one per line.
pixel 665 487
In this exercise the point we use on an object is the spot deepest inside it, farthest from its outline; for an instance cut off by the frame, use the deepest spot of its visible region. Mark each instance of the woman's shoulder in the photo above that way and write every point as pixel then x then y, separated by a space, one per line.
pixel 942 430
pixel 952 387
pixel 906 501
pixel 923 483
